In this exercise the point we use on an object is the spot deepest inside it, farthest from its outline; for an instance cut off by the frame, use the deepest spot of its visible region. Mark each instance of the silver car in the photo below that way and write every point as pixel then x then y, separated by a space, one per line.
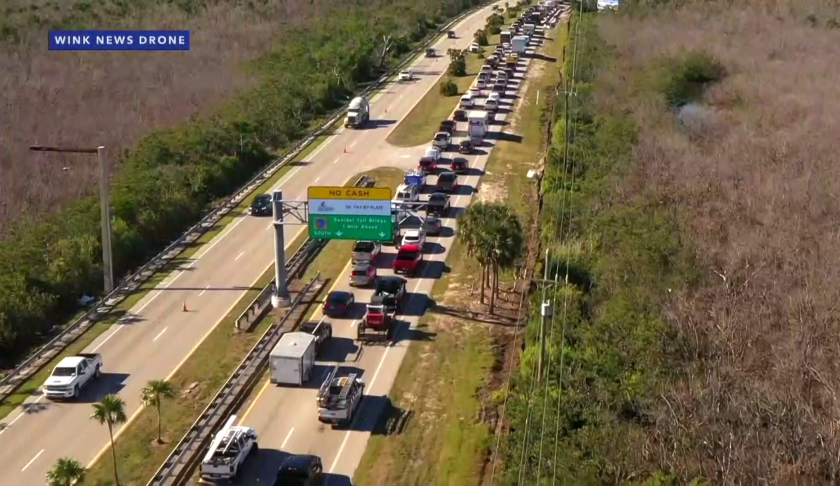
pixel 363 274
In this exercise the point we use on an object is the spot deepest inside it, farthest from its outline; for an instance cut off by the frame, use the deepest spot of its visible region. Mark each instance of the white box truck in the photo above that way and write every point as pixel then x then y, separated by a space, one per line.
pixel 477 123
pixel 519 44
pixel 292 360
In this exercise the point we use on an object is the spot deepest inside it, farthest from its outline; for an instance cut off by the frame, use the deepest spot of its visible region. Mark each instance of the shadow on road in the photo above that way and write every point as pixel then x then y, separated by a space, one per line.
pixel 107 383
pixel 338 349
pixel 374 124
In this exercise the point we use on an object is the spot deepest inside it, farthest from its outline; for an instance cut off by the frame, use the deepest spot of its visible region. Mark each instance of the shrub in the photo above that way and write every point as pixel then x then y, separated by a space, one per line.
pixel 458 66
pixel 684 78
pixel 448 87
pixel 480 37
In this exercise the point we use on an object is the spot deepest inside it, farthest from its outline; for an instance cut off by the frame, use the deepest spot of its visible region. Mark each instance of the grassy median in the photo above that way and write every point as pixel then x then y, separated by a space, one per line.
pixel 421 123
pixel 438 427
pixel 27 388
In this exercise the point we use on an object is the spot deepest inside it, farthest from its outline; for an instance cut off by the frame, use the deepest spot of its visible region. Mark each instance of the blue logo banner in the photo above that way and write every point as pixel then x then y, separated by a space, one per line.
pixel 119 40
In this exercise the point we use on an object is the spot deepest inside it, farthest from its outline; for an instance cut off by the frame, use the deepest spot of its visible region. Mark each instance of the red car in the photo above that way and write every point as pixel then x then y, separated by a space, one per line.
pixel 408 260
pixel 459 165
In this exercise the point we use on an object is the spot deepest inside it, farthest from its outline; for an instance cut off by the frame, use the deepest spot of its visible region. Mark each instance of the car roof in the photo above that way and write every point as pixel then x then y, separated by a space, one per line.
pixel 438 195
pixel 459 160
pixel 297 462
pixel 262 196
pixel 361 266
pixel 338 293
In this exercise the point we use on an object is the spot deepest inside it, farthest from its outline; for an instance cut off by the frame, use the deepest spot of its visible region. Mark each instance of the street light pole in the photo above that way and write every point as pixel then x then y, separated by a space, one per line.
pixel 104 205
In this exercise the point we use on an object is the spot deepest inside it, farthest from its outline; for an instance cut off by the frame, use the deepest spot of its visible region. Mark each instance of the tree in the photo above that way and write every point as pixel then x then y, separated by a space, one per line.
pixel 457 65
pixel 492 234
pixel 66 472
pixel 153 395
pixel 481 37
pixel 110 411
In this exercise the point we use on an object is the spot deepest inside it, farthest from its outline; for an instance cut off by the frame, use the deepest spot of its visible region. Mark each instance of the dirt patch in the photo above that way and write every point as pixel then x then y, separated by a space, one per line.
pixel 492 191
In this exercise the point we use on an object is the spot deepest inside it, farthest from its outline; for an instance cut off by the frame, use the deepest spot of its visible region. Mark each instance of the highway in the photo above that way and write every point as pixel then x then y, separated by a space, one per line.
pixel 286 418
pixel 156 337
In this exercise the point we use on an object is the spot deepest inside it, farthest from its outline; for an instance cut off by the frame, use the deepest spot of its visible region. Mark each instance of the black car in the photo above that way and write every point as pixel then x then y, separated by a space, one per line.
pixel 459 165
pixel 321 330
pixel 465 147
pixel 447 181
pixel 389 292
pixel 460 115
pixel 261 205
pixel 338 303
pixel 447 126
pixel 300 470
pixel 450 34
pixel 438 204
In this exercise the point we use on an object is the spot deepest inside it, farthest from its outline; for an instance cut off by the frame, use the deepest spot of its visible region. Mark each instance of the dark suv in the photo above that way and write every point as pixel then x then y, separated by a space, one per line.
pixel 261 205
pixel 301 470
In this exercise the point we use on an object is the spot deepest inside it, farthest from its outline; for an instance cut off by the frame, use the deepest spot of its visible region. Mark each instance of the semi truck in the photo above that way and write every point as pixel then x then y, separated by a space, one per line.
pixel 358 113
pixel 71 375
pixel 231 446
pixel 339 397
pixel 292 359
pixel 477 123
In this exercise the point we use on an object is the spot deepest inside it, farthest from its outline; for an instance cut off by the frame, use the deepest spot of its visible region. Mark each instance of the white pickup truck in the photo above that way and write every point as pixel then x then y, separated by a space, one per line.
pixel 231 446
pixel 72 374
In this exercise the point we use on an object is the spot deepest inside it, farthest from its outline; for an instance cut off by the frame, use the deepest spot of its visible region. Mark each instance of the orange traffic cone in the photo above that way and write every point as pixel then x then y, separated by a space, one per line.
pixel 184 308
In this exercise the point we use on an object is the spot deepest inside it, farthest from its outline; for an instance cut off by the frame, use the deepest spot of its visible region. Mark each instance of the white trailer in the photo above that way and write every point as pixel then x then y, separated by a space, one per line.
pixel 292 360
pixel 477 123
pixel 519 44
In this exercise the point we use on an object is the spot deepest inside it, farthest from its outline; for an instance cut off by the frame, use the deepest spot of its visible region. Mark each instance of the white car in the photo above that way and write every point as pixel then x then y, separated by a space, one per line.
pixel 501 75
pixel 406 75
pixel 414 237
pixel 442 140
pixel 474 47
pixel 480 83
pixel 486 69
pixel 467 101
pixel 475 91
pixel 506 47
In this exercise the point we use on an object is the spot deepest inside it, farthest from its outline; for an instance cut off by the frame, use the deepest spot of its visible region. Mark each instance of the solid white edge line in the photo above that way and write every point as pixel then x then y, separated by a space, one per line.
pixel 288 436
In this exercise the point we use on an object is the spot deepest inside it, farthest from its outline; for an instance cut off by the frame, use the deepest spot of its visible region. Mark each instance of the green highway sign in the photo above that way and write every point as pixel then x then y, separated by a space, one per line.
pixel 340 213
pixel 338 227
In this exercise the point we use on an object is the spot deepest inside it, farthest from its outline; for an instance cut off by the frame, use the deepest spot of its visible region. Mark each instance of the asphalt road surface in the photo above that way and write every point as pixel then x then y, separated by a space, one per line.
pixel 157 336
pixel 286 418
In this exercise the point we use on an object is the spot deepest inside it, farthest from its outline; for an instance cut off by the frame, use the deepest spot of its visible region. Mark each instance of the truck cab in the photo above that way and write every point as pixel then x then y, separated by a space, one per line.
pixel 71 375
pixel 358 113
pixel 231 446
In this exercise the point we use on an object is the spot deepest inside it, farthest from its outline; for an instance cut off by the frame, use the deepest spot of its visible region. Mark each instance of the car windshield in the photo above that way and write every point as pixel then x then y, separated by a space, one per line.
pixel 64 371
pixel 360 272
pixel 292 478
pixel 446 177
pixel 263 199
pixel 437 198
pixel 406 255
pixel 440 136
pixel 389 286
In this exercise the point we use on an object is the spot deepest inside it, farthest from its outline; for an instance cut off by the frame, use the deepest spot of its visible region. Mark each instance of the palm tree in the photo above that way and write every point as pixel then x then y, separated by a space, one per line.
pixel 491 234
pixel 110 411
pixel 153 395
pixel 66 472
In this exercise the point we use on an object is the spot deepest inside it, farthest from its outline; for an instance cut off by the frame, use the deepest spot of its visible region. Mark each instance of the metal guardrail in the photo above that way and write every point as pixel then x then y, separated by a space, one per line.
pixel 294 268
pixel 129 284
pixel 179 464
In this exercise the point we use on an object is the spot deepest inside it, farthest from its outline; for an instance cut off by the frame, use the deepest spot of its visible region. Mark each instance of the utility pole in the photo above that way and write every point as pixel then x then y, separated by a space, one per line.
pixel 104 205
pixel 545 311
pixel 281 292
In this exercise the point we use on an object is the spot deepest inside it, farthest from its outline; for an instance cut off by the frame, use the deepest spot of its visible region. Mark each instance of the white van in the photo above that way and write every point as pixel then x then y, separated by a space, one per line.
pixel 466 101
pixel 408 193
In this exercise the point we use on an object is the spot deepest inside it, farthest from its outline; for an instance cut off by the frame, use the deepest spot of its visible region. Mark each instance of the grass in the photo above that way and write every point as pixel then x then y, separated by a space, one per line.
pixel 526 122
pixel 433 432
pixel 27 388
pixel 421 123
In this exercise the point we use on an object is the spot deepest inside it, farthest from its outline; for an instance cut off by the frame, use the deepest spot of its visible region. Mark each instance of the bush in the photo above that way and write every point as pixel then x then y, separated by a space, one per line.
pixel 172 177
pixel 684 78
pixel 480 37
pixel 457 66
pixel 448 87
pixel 495 30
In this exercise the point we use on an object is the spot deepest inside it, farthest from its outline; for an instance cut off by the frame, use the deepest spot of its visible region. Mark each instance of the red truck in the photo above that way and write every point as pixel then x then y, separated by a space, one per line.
pixel 408 260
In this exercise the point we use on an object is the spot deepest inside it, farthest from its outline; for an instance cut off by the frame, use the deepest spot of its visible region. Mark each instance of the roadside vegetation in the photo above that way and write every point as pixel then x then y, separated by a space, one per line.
pixel 169 178
pixel 690 230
